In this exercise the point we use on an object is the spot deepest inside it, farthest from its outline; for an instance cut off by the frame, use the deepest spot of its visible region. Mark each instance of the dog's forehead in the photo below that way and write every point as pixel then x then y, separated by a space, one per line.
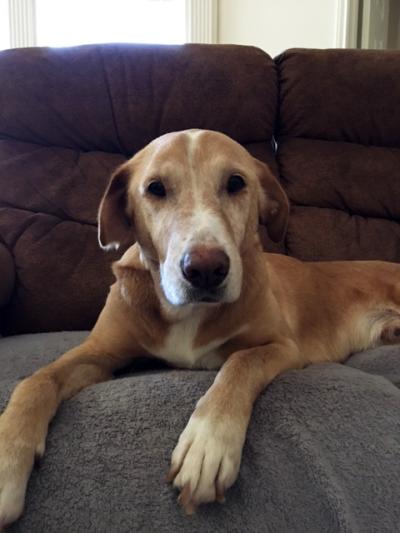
pixel 216 145
pixel 192 148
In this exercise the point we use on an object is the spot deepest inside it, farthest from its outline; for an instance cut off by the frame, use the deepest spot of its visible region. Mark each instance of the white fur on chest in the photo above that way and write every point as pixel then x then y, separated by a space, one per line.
pixel 178 348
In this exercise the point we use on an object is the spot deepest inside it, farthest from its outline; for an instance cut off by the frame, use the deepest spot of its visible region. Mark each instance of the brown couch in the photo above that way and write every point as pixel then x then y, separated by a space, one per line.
pixel 323 447
pixel 338 134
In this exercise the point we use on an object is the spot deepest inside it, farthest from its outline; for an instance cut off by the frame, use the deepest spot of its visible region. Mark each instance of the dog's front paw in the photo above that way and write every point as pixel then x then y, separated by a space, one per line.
pixel 16 461
pixel 206 459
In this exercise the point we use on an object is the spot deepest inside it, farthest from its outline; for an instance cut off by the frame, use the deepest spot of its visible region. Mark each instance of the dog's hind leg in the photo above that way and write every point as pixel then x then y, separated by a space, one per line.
pixel 389 322
pixel 391 334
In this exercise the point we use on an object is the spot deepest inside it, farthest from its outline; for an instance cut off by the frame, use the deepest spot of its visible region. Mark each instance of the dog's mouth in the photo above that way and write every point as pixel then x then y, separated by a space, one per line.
pixel 206 296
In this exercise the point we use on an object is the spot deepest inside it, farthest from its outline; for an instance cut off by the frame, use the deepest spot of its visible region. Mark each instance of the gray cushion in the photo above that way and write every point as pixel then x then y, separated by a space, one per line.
pixel 322 452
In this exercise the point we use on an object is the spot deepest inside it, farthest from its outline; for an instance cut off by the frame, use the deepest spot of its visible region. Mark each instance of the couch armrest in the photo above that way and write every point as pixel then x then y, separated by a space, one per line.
pixel 7 275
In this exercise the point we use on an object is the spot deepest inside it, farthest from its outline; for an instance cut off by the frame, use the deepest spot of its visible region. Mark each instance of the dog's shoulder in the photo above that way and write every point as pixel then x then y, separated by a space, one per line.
pixel 134 281
pixel 132 312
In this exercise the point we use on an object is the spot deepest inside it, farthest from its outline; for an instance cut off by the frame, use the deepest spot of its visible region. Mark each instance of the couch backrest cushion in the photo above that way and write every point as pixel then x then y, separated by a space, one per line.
pixel 68 117
pixel 117 98
pixel 338 135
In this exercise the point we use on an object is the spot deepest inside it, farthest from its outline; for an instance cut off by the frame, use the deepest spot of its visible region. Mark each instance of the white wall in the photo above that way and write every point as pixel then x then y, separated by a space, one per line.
pixel 275 25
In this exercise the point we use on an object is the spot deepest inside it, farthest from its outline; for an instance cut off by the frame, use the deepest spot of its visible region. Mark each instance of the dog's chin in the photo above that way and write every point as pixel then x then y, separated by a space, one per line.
pixel 187 295
pixel 196 297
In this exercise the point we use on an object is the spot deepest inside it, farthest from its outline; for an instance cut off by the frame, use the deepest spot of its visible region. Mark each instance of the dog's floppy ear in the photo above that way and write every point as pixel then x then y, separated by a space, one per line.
pixel 273 204
pixel 115 226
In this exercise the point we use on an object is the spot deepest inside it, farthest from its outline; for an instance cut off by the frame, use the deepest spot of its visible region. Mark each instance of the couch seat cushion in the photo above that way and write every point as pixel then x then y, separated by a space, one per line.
pixel 322 451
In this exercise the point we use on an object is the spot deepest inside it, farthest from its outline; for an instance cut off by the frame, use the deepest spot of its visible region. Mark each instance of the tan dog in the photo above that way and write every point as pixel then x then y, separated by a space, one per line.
pixel 197 291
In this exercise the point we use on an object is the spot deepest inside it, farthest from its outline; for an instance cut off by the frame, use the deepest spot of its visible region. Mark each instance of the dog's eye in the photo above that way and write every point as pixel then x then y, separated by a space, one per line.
pixel 235 184
pixel 156 188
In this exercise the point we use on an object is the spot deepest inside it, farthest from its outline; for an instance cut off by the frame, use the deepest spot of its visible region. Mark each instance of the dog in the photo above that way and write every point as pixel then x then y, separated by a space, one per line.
pixel 195 289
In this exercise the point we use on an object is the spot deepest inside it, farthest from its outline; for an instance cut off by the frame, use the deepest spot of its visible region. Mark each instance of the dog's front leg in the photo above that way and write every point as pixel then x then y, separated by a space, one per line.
pixel 207 457
pixel 24 423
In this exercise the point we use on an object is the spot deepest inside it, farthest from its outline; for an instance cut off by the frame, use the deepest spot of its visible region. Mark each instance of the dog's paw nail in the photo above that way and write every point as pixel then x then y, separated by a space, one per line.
pixel 185 500
pixel 171 474
pixel 219 494
pixel 187 505
pixel 190 509
pixel 185 494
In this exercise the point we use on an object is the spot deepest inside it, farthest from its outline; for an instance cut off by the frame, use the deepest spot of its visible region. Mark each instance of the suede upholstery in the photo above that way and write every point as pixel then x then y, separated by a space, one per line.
pixel 68 118
pixel 7 275
pixel 339 152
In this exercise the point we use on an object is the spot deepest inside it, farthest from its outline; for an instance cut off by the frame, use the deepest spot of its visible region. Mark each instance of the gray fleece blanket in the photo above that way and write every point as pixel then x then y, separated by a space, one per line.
pixel 322 452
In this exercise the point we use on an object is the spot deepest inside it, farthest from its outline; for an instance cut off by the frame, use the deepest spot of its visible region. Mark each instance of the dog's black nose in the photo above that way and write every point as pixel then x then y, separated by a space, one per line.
pixel 205 268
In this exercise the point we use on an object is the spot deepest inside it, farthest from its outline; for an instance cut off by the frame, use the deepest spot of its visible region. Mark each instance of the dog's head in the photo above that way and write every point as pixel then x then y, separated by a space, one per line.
pixel 193 201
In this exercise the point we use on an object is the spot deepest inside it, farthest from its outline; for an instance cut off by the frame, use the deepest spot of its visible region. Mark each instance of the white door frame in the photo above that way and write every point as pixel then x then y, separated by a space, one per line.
pixel 201 22
pixel 22 21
